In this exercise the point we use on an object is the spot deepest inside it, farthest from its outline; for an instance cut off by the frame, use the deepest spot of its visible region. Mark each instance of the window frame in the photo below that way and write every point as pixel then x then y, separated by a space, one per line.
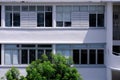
pixel 20 48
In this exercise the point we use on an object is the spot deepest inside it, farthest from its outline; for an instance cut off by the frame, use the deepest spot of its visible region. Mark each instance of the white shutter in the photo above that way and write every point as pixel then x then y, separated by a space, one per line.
pixel 80 19
pixel 28 19
pixel 32 19
pixel 24 19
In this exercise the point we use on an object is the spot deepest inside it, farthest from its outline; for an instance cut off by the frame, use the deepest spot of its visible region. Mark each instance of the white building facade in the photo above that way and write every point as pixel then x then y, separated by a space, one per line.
pixel 86 30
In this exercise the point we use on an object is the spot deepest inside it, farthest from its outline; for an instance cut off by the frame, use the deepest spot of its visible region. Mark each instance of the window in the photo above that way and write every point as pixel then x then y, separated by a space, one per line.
pixel 80 16
pixel 92 56
pixel 63 16
pixel 116 50
pixel 96 16
pixel 25 53
pixel 0 53
pixel 76 56
pixel 0 15
pixel 12 16
pixel 44 16
pixel 84 54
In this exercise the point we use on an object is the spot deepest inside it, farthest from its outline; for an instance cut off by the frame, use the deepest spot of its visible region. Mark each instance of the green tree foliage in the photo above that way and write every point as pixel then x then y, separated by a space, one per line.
pixel 52 67
pixel 13 74
pixel 56 67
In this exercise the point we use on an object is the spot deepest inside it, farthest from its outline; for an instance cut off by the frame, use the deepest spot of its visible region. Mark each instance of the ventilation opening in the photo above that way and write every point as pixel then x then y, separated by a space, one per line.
pixel 115 75
pixel 116 50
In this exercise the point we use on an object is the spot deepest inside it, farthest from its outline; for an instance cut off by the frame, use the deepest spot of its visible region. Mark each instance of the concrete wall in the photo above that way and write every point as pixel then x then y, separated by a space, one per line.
pixel 50 35
pixel 86 73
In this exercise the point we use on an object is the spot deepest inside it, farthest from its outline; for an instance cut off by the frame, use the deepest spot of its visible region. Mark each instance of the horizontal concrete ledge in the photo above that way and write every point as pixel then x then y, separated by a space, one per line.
pixel 25 1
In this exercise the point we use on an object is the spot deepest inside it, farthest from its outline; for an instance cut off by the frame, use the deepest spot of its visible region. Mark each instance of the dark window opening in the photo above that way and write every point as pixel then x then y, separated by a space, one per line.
pixel 76 56
pixel 84 57
pixel 92 56
pixel 24 56
pixel 59 23
pixel 100 20
pixel 40 19
pixel 100 56
pixel 92 20
pixel 16 19
pixel 32 55
pixel 67 24
pixel 40 53
pixel 48 19
pixel 8 19
pixel 48 54
pixel 28 45
pixel 45 46
pixel 116 50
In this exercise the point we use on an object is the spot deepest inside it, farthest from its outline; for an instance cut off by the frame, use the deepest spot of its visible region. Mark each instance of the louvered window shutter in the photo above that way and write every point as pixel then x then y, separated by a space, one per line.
pixel 80 19
pixel 28 19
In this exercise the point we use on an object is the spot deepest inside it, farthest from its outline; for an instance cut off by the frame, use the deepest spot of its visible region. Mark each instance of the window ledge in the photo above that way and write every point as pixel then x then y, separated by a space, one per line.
pixel 51 28
pixel 89 66
pixel 9 66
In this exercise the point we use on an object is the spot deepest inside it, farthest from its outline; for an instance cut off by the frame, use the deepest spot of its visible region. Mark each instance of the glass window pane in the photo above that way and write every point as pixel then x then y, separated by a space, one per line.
pixel 8 19
pixel 32 8
pixel 40 8
pixel 67 8
pixel 75 9
pixel 92 56
pixel 16 8
pixel 40 19
pixel 16 19
pixel 59 9
pixel 66 53
pixel 92 20
pixel 8 57
pixel 100 56
pixel 84 56
pixel 28 45
pixel 100 9
pixel 67 24
pixel 59 16
pixel 45 46
pixel 40 53
pixel 32 55
pixel 48 19
pixel 8 8
pixel 24 8
pixel 24 56
pixel 15 56
pixel 67 16
pixel 92 8
pixel 84 8
pixel 48 8
pixel 0 54
pixel 100 20
pixel 0 15
pixel 59 23
pixel 76 56
pixel 48 53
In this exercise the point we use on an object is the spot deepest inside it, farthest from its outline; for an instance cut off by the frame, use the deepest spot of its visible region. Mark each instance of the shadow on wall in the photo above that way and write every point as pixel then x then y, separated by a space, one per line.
pixel 95 36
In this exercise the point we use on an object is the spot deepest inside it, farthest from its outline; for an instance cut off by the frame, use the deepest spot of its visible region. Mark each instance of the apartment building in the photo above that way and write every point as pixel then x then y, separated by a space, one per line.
pixel 86 30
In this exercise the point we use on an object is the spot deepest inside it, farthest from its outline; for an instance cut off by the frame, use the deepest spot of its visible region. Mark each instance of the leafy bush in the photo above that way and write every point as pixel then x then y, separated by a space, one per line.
pixel 52 67
pixel 58 68
pixel 13 74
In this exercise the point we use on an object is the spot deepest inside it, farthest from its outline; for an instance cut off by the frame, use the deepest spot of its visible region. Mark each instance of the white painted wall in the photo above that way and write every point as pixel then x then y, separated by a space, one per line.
pixel 50 35
pixel 93 73
pixel 86 73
